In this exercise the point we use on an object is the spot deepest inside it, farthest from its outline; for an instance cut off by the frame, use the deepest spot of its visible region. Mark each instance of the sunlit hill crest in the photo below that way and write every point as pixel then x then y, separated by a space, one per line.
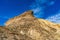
pixel 27 27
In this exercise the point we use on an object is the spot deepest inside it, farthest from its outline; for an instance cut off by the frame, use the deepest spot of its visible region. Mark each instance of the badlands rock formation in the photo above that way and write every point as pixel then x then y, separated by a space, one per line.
pixel 27 27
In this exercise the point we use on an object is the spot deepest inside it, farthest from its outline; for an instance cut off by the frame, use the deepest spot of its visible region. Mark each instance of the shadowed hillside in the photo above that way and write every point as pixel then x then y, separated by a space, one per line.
pixel 27 27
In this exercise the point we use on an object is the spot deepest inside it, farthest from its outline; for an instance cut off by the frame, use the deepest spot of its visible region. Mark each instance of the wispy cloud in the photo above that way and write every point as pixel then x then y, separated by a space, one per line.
pixel 52 2
pixel 38 7
pixel 55 18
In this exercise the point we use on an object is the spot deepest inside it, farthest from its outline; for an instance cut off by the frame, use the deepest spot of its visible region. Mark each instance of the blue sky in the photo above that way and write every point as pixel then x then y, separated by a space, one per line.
pixel 46 9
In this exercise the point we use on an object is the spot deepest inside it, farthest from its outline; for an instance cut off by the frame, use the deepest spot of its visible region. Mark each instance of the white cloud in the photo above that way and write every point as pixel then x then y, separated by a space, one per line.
pixel 50 3
pixel 38 12
pixel 55 18
pixel 38 7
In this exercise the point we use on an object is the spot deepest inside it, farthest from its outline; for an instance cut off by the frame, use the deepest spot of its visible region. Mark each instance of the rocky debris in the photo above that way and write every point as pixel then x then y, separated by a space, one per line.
pixel 27 27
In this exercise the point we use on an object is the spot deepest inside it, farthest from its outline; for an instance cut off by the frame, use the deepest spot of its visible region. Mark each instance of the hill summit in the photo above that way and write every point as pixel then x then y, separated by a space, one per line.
pixel 27 27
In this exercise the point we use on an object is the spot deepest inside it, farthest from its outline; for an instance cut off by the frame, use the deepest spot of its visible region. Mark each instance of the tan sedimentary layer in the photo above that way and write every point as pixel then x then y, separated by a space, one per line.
pixel 27 27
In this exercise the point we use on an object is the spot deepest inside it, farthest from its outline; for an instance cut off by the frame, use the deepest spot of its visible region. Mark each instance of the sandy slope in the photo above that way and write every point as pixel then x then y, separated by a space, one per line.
pixel 27 27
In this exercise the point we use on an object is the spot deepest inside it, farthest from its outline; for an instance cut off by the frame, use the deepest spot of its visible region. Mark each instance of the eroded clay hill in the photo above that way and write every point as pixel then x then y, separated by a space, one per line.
pixel 27 27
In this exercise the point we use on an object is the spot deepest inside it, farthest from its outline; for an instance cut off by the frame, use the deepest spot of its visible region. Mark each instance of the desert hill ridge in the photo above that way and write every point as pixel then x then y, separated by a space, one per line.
pixel 27 27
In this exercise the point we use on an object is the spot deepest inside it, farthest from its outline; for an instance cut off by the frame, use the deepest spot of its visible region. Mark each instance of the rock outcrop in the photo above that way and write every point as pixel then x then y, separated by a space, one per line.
pixel 27 27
